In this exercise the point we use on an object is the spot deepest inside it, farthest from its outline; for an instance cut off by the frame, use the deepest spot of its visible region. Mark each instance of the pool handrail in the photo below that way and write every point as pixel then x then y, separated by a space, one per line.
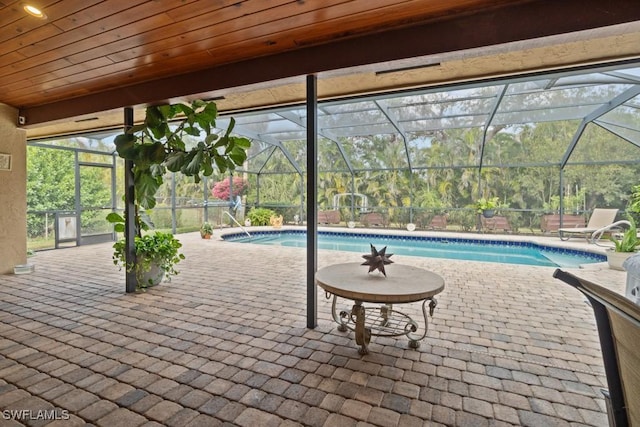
pixel 236 221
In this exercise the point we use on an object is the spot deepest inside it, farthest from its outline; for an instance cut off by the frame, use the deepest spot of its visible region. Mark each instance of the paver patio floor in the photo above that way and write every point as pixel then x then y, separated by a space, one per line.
pixel 226 343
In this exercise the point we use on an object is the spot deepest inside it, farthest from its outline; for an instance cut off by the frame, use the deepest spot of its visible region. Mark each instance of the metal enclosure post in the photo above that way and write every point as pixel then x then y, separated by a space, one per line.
pixel 312 201
pixel 257 191
pixel 129 212
pixel 353 198
pixel 205 191
pixel 230 209
pixel 411 197
pixel 561 193
pixel 301 212
pixel 78 202
pixel 174 222
pixel 114 189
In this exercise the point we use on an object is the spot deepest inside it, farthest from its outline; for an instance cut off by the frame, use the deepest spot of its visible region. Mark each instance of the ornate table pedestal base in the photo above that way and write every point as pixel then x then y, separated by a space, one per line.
pixel 405 284
pixel 384 321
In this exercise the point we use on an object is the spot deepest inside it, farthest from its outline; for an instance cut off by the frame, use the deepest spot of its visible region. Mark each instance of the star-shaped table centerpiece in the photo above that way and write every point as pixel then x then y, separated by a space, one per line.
pixel 377 260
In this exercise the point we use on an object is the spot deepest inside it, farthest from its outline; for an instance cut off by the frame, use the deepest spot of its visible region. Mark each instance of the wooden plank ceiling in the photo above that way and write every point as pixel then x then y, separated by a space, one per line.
pixel 95 55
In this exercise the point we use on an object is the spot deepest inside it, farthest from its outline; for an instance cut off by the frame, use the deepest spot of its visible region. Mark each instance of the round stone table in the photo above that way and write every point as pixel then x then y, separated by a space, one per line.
pixel 403 284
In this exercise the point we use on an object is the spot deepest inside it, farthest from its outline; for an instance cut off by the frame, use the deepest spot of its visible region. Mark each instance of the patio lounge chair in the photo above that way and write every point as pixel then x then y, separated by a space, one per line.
pixel 618 323
pixel 599 218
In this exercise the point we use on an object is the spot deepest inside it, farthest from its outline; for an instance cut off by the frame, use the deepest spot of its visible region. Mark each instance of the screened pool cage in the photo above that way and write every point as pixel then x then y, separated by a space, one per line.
pixel 549 148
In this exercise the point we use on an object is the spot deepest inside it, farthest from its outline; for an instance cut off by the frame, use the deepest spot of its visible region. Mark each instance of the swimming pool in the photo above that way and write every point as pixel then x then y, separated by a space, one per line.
pixel 507 252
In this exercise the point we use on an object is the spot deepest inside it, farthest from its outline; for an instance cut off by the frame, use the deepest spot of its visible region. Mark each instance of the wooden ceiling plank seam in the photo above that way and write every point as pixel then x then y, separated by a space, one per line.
pixel 130 30
pixel 55 12
pixel 40 33
pixel 62 73
pixel 88 75
pixel 123 69
pixel 24 77
pixel 16 22
pixel 216 24
pixel 416 12
pixel 223 46
pixel 66 73
pixel 114 71
pixel 169 32
pixel 41 64
pixel 352 9
pixel 462 33
pixel 15 12
pixel 182 13
pixel 82 77
pixel 11 58
pixel 97 13
pixel 15 71
pixel 110 25
pixel 305 22
pixel 167 48
pixel 124 72
pixel 44 69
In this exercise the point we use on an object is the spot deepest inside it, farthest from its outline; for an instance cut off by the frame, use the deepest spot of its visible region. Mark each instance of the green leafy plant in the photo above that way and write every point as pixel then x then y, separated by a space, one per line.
pixel 629 241
pixel 260 216
pixel 483 204
pixel 206 229
pixel 634 202
pixel 179 138
pixel 156 249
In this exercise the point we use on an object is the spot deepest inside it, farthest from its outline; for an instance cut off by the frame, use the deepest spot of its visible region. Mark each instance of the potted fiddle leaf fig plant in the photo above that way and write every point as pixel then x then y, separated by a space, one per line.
pixel 180 138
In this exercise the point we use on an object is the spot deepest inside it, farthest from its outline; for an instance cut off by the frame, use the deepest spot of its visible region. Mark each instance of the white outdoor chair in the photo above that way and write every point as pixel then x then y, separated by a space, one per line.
pixel 599 218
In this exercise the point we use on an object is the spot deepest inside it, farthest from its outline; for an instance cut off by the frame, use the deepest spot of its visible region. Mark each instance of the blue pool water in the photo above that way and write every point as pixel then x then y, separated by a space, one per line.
pixel 435 247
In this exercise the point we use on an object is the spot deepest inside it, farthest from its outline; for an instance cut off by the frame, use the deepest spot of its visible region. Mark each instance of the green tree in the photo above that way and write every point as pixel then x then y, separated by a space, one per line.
pixel 51 187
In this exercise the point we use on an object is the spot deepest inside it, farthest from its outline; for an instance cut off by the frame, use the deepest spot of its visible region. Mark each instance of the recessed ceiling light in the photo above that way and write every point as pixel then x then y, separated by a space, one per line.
pixel 34 11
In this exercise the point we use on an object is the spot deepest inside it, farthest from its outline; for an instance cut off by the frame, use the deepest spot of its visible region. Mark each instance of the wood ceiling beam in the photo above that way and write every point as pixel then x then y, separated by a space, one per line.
pixel 513 22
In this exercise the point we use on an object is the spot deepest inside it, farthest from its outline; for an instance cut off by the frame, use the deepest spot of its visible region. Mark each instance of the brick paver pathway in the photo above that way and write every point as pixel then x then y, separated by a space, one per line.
pixel 226 343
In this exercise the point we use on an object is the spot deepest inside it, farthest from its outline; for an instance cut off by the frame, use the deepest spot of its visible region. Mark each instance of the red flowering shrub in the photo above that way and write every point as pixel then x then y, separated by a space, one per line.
pixel 221 188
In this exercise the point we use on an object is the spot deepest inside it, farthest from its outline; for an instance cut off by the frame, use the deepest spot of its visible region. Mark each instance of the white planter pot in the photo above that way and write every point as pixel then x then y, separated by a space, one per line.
pixel 615 259
pixel 152 277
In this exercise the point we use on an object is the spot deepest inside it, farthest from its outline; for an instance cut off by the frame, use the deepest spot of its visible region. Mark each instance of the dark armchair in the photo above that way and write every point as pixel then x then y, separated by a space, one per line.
pixel 618 322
